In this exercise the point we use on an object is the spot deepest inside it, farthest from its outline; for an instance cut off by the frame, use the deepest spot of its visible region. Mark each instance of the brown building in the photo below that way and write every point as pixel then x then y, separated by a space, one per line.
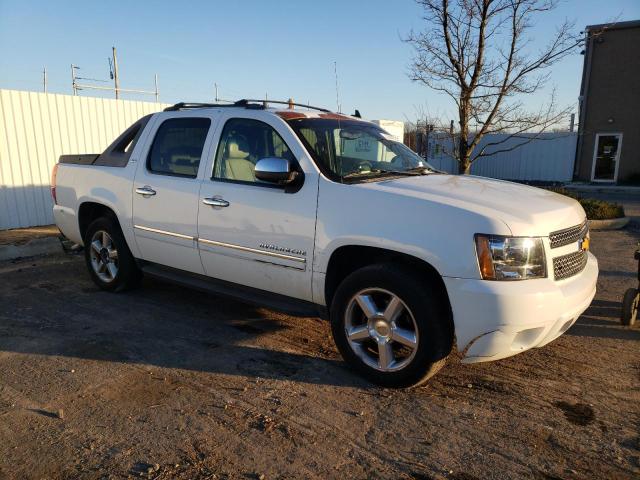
pixel 609 130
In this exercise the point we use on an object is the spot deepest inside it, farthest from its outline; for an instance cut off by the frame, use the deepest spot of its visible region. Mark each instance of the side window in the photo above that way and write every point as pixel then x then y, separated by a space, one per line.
pixel 243 142
pixel 177 147
pixel 319 141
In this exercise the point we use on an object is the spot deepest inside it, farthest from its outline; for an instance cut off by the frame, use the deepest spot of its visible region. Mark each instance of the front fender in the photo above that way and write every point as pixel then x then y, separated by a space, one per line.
pixel 438 233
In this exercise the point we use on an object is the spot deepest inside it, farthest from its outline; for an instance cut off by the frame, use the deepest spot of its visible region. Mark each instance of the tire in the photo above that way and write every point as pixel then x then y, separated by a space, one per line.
pixel 108 258
pixel 630 305
pixel 402 303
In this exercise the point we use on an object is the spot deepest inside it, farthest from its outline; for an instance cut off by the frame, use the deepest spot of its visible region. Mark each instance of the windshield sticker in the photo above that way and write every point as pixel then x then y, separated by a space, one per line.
pixel 363 145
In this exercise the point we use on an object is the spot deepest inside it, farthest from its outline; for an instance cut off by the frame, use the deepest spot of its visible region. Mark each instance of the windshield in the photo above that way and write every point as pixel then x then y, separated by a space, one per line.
pixel 351 149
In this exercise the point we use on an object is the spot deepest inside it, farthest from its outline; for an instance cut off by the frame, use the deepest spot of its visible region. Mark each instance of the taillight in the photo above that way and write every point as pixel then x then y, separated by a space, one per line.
pixel 54 172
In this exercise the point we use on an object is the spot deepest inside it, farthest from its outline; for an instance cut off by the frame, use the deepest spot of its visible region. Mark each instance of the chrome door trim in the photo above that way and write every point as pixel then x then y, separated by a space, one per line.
pixel 164 232
pixel 252 250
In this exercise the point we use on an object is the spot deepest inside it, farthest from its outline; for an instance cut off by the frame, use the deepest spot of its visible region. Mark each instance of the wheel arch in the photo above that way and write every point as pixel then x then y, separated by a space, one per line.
pixel 90 211
pixel 349 258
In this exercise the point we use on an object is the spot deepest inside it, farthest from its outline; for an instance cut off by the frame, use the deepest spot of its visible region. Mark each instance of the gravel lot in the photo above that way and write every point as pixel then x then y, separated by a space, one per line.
pixel 165 382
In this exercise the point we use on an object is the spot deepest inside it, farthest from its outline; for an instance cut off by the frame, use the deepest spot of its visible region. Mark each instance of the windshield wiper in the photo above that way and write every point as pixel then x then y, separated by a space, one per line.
pixel 422 170
pixel 379 171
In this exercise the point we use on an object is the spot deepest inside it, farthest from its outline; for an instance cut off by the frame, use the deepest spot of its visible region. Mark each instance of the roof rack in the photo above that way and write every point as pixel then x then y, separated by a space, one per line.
pixel 245 102
pixel 281 102
pixel 188 105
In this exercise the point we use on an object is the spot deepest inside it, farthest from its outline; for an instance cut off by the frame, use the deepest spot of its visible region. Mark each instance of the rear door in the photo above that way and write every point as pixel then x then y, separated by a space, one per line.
pixel 166 189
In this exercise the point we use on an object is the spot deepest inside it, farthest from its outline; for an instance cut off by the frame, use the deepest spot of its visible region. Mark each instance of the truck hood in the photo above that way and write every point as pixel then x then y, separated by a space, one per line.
pixel 527 211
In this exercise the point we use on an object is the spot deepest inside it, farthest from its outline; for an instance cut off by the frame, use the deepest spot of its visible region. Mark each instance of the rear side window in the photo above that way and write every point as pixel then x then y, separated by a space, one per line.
pixel 178 145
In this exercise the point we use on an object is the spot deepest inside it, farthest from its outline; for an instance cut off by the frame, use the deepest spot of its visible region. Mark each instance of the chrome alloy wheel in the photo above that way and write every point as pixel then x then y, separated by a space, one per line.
pixel 104 256
pixel 381 329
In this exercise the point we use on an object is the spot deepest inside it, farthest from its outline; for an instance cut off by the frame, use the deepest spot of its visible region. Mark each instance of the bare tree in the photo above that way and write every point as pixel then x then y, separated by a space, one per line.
pixel 477 52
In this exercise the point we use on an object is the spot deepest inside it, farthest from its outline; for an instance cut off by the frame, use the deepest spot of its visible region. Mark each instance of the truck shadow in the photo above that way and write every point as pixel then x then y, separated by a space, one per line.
pixel 602 320
pixel 165 326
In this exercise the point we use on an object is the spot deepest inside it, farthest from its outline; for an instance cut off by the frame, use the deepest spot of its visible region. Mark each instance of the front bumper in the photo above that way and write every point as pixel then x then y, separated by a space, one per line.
pixel 495 319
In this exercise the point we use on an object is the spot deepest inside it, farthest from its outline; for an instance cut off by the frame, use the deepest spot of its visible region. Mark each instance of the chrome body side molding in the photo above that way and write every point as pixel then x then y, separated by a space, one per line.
pixel 164 232
pixel 253 250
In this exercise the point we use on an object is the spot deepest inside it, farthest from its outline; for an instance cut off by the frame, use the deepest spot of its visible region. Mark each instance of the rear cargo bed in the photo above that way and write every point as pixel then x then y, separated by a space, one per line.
pixel 85 159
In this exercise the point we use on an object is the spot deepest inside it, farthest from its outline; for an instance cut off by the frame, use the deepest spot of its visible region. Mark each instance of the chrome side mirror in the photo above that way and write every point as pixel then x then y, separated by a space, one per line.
pixel 275 170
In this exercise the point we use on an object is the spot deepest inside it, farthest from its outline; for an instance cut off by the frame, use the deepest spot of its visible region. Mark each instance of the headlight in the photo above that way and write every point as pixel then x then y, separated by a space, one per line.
pixel 510 258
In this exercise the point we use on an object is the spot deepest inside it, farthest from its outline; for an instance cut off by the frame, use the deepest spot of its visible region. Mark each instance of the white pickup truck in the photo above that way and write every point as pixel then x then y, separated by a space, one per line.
pixel 314 212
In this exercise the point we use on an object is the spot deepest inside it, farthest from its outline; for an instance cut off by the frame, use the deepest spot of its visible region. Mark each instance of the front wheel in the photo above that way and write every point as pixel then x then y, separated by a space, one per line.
pixel 108 258
pixel 390 326
pixel 630 304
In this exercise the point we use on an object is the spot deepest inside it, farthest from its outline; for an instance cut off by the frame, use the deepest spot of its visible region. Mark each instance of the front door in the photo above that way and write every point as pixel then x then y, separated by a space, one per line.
pixel 252 232
pixel 606 156
pixel 166 191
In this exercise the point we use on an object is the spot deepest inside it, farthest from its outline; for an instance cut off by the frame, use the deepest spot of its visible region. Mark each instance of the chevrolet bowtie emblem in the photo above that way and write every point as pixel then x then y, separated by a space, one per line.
pixel 583 244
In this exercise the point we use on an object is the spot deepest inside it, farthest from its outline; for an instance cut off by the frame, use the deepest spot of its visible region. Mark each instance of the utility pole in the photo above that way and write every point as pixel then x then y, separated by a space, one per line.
pixel 215 85
pixel 44 80
pixel 157 93
pixel 116 80
pixel 73 79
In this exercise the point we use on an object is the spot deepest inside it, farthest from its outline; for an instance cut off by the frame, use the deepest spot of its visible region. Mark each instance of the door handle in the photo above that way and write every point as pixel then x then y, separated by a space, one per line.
pixel 145 191
pixel 215 202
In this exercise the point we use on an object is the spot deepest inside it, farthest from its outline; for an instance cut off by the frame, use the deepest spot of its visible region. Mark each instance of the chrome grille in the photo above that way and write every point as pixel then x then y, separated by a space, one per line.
pixel 569 265
pixel 564 237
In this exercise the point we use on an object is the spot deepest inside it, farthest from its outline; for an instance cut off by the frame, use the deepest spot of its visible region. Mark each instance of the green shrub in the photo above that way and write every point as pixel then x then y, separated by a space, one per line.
pixel 601 210
pixel 595 209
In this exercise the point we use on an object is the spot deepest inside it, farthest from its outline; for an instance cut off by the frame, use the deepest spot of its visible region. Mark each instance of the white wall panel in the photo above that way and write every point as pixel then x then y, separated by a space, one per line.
pixel 548 157
pixel 35 129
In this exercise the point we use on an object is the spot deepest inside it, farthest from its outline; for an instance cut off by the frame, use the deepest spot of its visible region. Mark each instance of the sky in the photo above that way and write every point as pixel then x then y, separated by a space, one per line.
pixel 252 48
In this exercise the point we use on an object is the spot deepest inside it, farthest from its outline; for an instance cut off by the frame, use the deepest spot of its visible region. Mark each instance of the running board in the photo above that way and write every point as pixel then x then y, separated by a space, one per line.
pixel 249 295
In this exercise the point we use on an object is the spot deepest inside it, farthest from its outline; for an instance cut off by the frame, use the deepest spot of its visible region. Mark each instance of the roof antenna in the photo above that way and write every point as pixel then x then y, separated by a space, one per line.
pixel 335 71
pixel 357 114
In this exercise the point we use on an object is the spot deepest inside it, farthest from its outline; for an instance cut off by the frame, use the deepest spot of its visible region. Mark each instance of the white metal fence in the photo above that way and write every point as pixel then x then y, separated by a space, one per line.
pixel 35 129
pixel 548 157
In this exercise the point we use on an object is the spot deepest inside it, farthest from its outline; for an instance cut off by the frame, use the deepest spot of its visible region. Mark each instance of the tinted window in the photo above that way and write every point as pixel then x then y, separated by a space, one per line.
pixel 178 145
pixel 242 144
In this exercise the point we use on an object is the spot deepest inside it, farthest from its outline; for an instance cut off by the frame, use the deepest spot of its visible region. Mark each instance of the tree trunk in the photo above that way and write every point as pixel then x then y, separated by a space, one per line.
pixel 464 153
pixel 464 158
pixel 464 167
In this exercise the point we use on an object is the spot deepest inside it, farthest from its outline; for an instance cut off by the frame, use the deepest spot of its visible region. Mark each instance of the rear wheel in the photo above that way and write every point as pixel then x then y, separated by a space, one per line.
pixel 630 304
pixel 390 326
pixel 108 258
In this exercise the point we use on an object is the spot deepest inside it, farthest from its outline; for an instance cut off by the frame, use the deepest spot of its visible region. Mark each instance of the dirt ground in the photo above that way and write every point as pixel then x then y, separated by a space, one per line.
pixel 19 236
pixel 164 382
